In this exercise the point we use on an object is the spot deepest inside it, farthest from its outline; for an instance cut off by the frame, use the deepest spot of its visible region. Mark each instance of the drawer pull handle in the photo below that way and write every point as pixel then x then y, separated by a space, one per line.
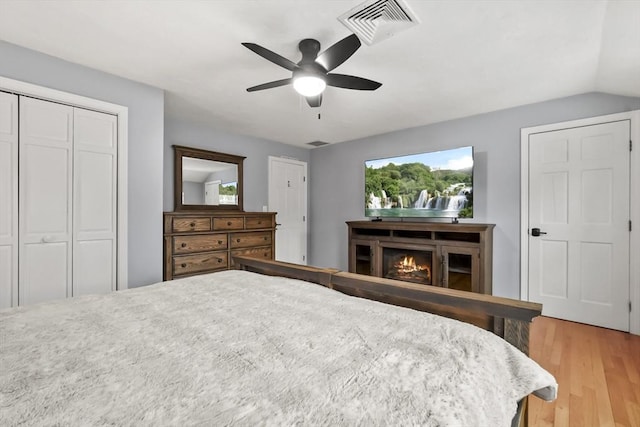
pixel 184 245
pixel 265 238
pixel 228 222
pixel 259 222
pixel 219 260
pixel 219 242
pixel 193 224
pixel 183 265
pixel 266 254
pixel 238 240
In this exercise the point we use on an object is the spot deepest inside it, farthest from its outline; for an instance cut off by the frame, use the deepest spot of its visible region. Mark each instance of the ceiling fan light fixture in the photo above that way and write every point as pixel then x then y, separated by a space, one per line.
pixel 311 75
pixel 309 85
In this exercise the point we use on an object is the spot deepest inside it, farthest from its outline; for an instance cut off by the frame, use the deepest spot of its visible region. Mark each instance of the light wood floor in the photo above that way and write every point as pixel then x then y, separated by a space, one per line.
pixel 598 374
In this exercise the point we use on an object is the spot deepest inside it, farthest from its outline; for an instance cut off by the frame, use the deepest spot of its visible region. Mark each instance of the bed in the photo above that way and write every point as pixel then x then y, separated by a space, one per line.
pixel 266 345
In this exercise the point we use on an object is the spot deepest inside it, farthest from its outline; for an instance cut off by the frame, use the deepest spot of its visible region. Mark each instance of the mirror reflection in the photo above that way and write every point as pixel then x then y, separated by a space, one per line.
pixel 209 182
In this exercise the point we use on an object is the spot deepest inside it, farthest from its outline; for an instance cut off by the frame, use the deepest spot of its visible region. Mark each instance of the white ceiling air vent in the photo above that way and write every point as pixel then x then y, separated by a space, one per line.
pixel 317 143
pixel 377 20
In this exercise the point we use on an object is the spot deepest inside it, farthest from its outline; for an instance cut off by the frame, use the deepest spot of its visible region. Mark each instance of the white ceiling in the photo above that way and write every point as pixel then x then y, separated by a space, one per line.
pixel 465 57
pixel 198 170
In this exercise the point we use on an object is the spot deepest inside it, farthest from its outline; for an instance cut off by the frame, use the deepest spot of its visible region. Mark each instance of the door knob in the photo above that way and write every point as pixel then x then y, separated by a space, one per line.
pixel 535 232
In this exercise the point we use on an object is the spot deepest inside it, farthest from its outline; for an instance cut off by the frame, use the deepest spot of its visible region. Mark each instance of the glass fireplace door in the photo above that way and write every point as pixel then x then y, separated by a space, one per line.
pixel 408 264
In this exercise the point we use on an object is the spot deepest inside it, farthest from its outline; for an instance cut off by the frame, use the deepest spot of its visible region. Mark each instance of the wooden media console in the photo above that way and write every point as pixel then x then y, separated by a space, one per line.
pixel 455 256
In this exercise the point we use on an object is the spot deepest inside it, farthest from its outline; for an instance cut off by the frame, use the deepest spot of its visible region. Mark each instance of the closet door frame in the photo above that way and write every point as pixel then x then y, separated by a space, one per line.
pixel 122 113
pixel 9 201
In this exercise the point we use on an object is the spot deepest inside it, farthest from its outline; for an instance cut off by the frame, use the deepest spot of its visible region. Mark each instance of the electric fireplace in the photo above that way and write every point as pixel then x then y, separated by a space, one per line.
pixel 410 265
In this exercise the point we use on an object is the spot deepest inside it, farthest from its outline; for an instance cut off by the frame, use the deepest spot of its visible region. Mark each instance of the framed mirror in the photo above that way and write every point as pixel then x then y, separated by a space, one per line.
pixel 207 180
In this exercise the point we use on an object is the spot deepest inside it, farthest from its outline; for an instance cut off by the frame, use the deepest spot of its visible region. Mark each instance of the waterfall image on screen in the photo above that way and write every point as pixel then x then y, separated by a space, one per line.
pixel 428 185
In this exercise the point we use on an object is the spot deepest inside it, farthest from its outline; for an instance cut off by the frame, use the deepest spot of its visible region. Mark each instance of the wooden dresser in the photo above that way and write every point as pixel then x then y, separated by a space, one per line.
pixel 203 242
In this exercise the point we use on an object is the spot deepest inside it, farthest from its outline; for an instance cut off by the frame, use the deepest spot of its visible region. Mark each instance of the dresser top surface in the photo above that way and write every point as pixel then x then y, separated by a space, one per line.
pixel 217 213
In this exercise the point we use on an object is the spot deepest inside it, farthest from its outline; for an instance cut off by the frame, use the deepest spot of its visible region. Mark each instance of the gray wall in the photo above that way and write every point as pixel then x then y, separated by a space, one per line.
pixel 337 175
pixel 336 171
pixel 193 192
pixel 256 164
pixel 225 176
pixel 146 126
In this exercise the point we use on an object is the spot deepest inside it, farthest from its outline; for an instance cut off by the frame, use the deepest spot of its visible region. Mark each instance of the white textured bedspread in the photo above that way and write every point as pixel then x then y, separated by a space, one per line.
pixel 237 348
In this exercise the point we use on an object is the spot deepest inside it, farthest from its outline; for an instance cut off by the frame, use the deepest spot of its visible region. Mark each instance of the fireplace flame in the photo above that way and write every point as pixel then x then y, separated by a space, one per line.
pixel 407 266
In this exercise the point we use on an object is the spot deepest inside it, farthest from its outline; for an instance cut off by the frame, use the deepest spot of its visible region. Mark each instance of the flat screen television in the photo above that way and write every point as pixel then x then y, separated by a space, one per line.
pixel 427 185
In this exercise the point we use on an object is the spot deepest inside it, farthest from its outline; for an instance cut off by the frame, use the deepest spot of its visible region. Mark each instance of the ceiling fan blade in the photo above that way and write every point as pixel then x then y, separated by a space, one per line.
pixel 314 101
pixel 351 82
pixel 271 56
pixel 270 85
pixel 339 52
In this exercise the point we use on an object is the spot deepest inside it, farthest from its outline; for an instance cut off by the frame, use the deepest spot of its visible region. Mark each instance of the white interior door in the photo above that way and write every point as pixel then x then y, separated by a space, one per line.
pixel 579 191
pixel 8 199
pixel 212 193
pixel 45 200
pixel 288 198
pixel 95 142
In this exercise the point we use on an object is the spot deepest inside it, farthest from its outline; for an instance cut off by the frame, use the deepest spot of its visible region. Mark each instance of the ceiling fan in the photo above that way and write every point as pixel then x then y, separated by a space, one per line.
pixel 312 74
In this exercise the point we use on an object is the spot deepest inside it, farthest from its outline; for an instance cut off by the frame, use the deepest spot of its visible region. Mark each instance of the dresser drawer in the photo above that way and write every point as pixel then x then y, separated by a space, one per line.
pixel 187 264
pixel 191 224
pixel 245 240
pixel 258 222
pixel 199 243
pixel 228 223
pixel 262 253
